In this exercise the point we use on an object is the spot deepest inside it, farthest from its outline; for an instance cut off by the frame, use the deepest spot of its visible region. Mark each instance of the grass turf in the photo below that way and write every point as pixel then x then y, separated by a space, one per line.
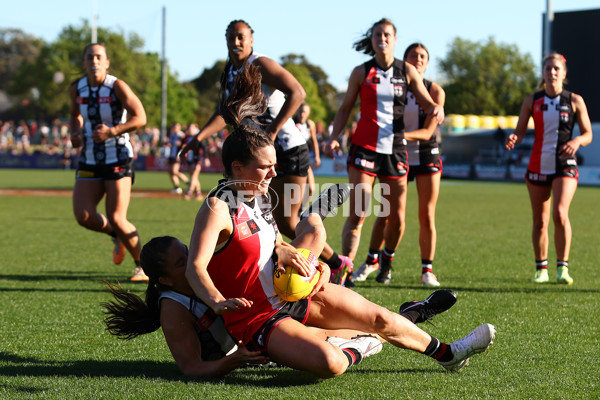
pixel 54 345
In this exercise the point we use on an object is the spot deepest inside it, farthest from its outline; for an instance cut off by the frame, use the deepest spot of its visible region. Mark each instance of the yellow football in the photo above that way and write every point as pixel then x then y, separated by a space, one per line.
pixel 290 285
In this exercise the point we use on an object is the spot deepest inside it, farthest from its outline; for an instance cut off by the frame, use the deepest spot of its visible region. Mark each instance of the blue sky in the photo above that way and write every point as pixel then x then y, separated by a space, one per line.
pixel 322 30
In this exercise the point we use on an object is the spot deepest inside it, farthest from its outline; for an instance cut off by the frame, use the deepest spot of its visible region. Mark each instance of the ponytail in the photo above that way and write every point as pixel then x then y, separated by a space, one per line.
pixel 240 107
pixel 128 316
pixel 246 100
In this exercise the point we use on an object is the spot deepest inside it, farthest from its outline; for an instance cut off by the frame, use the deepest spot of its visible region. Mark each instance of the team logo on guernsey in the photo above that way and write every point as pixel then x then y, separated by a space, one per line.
pixel 398 88
pixel 564 113
pixel 247 229
pixel 398 91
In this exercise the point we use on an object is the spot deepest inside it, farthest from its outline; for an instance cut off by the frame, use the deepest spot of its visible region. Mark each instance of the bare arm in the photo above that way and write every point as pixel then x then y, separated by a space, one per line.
pixel 341 117
pixel 519 133
pixel 135 111
pixel 178 326
pixel 315 142
pixel 430 126
pixel 75 118
pixel 415 83
pixel 277 77
pixel 585 128
pixel 212 226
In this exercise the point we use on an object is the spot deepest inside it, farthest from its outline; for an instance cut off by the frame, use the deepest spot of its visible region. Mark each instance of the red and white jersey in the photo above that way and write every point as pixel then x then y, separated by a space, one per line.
pixel 244 267
pixel 553 119
pixel 382 101
pixel 420 152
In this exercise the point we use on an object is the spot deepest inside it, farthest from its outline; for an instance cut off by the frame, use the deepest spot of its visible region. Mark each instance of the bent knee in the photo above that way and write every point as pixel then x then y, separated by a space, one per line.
pixel 83 216
pixel 382 319
pixel 334 364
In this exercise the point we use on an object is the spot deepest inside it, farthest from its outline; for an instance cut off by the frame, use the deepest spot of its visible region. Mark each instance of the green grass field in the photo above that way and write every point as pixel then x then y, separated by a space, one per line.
pixel 54 345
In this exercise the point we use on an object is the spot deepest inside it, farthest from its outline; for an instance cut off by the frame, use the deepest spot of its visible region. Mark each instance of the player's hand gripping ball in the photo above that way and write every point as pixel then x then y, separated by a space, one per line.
pixel 290 285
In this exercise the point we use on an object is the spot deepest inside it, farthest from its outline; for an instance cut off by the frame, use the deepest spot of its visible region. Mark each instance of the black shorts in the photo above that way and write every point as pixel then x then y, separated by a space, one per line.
pixel 427 169
pixel 546 180
pixel 376 164
pixel 297 310
pixel 294 161
pixel 109 172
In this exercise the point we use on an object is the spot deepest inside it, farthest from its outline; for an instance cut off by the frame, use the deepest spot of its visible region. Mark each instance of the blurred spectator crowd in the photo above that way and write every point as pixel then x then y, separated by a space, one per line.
pixel 31 137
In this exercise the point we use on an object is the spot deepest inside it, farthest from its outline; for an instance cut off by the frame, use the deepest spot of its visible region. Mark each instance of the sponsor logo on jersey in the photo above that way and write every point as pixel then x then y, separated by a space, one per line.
pixel 364 163
pixel 396 80
pixel 268 217
pixel 544 107
pixel 82 100
pixel 376 80
pixel 105 100
pixel 537 177
pixel 564 116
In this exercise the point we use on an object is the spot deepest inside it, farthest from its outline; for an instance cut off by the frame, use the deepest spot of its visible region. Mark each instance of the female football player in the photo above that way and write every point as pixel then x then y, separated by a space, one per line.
pixel 552 170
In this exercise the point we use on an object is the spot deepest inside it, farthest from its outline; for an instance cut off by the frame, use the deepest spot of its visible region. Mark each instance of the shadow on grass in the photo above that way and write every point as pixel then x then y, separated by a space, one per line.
pixel 69 276
pixel 12 365
pixel 61 276
pixel 498 288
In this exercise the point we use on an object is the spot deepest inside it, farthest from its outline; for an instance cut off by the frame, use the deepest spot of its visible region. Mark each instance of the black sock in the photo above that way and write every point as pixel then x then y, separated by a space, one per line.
pixel 561 263
pixel 541 264
pixel 137 263
pixel 334 261
pixel 113 234
pixel 353 355
pixel 438 350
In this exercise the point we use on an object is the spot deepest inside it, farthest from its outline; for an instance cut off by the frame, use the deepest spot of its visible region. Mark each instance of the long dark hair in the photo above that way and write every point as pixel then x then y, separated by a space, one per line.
pixel 128 316
pixel 365 45
pixel 239 108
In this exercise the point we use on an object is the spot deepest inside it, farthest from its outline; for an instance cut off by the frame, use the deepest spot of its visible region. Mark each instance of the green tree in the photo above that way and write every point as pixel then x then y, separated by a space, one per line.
pixel 16 48
pixel 324 102
pixel 486 78
pixel 60 63
pixel 208 85
pixel 318 107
